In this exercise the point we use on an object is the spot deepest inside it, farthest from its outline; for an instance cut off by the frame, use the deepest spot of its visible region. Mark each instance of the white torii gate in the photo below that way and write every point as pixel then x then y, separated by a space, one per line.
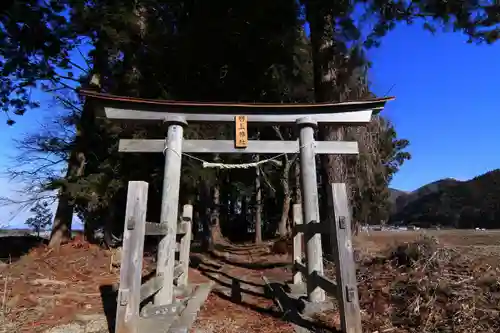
pixel 176 115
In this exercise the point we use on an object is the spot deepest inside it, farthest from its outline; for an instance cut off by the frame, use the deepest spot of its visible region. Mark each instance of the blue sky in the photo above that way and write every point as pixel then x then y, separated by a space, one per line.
pixel 445 105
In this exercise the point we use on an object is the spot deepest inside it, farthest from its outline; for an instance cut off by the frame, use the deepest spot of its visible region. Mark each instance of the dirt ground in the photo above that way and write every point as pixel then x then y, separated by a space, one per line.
pixel 45 288
pixel 238 302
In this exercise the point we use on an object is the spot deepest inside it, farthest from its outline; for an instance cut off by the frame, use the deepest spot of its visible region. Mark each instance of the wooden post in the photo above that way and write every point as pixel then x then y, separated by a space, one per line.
pixel 127 310
pixel 297 243
pixel 185 244
pixel 341 240
pixel 169 208
pixel 310 211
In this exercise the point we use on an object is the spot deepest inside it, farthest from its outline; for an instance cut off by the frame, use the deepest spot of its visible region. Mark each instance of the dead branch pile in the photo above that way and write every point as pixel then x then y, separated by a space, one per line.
pixel 421 287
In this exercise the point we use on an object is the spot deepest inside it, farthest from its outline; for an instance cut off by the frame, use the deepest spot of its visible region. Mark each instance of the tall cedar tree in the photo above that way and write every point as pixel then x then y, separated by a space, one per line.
pixel 157 54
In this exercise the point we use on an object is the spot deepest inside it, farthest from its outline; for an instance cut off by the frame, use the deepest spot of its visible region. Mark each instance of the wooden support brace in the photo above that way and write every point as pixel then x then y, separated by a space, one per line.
pixel 276 294
pixel 185 244
pixel 301 268
pixel 150 287
pixel 162 310
pixel 329 286
pixel 318 280
pixel 129 292
pixel 297 242
pixel 178 271
pixel 188 315
pixel 341 240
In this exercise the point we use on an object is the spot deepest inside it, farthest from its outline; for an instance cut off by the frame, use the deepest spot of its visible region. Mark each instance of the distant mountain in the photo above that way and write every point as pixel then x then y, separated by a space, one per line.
pixel 449 202
pixel 400 199
pixel 395 194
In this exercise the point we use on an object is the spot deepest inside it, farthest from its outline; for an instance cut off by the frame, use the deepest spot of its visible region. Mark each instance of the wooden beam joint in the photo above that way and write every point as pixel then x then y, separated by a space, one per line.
pixel 123 296
pixel 350 293
pixel 311 228
pixel 155 229
pixel 341 222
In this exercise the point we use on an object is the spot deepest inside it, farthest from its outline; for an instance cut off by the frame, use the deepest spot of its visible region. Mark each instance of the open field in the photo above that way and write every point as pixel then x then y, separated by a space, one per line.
pixel 482 244
pixel 451 237
pixel 446 282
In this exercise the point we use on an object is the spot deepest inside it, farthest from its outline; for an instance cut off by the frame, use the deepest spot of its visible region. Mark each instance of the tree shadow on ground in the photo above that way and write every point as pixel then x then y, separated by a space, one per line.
pixel 292 309
pixel 289 309
pixel 256 250
pixel 14 247
pixel 240 247
pixel 241 264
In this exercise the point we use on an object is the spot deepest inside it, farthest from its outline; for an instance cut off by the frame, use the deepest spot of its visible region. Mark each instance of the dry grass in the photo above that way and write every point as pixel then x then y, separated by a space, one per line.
pixel 378 241
pixel 440 281
pixel 445 283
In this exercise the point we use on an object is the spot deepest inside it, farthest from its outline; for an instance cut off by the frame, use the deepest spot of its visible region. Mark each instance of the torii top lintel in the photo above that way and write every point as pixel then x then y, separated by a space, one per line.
pixel 139 110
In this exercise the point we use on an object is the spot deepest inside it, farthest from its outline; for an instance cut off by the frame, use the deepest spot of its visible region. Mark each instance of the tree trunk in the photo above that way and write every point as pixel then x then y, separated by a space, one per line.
pixel 216 233
pixel 232 199
pixel 285 213
pixel 224 203
pixel 63 218
pixel 287 197
pixel 205 198
pixel 258 208
pixel 325 90
pixel 298 188
pixel 244 218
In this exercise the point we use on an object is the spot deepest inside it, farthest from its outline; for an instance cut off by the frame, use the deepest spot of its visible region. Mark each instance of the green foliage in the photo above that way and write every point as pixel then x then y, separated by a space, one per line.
pixel 42 217
pixel 250 51
pixel 371 20
pixel 478 20
pixel 36 39
pixel 382 153
pixel 34 42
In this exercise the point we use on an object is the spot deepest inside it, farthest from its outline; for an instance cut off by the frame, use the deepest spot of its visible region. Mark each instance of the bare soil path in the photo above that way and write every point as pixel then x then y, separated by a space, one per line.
pixel 239 303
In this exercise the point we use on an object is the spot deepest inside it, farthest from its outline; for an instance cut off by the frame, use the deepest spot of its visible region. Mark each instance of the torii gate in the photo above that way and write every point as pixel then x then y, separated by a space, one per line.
pixel 176 115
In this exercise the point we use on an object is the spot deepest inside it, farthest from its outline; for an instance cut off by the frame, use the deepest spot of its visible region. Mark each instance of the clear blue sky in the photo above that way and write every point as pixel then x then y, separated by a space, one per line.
pixel 445 105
